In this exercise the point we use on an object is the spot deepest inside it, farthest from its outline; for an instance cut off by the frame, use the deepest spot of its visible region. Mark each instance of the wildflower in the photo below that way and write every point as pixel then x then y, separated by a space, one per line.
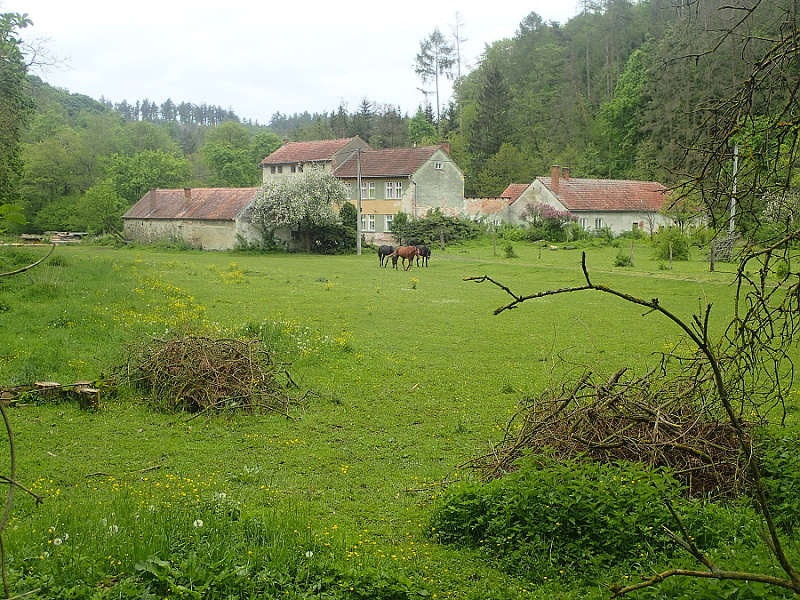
pixel 309 554
pixel 58 542
pixel 198 523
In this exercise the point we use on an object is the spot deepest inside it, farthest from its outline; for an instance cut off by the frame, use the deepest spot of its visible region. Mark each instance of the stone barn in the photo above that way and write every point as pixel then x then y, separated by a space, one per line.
pixel 206 218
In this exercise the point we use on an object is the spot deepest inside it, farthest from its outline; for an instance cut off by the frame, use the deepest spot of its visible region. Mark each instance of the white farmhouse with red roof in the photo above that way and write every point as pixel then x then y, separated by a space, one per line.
pixel 619 205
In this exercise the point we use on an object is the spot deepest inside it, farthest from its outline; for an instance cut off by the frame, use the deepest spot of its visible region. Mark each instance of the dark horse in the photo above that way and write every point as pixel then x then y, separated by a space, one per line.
pixel 424 255
pixel 407 253
pixel 384 252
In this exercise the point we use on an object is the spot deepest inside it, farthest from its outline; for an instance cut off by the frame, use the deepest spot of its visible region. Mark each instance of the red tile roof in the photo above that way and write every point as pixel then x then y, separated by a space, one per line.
pixel 608 194
pixel 514 190
pixel 196 203
pixel 316 151
pixel 397 162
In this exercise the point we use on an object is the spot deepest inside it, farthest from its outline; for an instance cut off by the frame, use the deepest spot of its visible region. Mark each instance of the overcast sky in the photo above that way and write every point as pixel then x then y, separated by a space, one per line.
pixel 258 58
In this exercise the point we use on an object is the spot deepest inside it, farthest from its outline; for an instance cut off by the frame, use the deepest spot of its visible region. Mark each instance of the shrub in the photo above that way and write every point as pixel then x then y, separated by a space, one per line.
pixel 265 245
pixel 510 232
pixel 348 214
pixel 782 478
pixel 509 250
pixel 334 239
pixel 671 244
pixel 429 229
pixel 572 519
pixel 623 259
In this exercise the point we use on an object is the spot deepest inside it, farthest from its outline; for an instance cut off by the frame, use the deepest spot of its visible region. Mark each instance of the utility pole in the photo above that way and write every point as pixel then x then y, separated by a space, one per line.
pixel 358 205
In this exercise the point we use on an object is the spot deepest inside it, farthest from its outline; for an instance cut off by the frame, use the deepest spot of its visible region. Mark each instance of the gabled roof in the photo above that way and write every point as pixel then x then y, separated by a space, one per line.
pixel 608 194
pixel 396 162
pixel 514 191
pixel 224 204
pixel 316 151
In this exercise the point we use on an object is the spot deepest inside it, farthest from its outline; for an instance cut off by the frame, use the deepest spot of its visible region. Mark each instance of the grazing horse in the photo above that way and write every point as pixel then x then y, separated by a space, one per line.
pixel 424 255
pixel 407 253
pixel 384 252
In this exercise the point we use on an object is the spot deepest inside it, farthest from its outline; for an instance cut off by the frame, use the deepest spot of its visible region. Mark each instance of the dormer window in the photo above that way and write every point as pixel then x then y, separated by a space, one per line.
pixel 438 166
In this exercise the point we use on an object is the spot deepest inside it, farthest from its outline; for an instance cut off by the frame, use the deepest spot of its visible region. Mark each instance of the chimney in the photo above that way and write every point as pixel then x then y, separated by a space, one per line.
pixel 187 196
pixel 285 141
pixel 554 172
pixel 445 146
pixel 565 173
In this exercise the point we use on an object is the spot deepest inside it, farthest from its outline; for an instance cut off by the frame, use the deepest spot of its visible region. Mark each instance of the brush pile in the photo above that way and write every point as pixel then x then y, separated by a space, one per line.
pixel 646 420
pixel 196 374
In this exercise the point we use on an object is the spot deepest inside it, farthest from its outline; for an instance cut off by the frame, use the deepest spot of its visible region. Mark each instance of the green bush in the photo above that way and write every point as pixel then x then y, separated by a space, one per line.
pixel 623 259
pixel 508 249
pixel 781 475
pixel 671 244
pixel 265 245
pixel 429 229
pixel 563 518
pixel 511 233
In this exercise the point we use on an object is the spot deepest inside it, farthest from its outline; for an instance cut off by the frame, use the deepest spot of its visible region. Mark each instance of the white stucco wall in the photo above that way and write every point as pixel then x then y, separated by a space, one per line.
pixel 619 221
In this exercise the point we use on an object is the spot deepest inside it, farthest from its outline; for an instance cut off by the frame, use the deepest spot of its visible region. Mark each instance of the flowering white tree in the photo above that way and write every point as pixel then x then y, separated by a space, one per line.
pixel 299 202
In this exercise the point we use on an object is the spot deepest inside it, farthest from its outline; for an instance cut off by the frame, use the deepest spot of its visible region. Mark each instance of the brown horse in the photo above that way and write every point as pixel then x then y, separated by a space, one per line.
pixel 407 253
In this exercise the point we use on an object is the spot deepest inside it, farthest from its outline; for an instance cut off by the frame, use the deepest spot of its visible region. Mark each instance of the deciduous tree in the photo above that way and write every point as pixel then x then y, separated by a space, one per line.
pixel 301 203
pixel 15 103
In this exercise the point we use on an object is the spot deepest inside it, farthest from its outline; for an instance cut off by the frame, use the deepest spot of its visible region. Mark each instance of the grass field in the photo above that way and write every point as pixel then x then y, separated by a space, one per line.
pixel 409 375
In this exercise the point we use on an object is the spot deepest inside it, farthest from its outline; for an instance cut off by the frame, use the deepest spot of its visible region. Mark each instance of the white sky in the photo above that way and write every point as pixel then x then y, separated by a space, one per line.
pixel 258 58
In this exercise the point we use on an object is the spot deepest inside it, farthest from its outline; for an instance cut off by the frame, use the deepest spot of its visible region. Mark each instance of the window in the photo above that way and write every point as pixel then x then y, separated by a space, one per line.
pixel 389 219
pixel 300 168
pixel 294 168
pixel 394 190
pixel 280 168
pixel 438 166
pixel 367 222
pixel 368 190
pixel 272 169
pixel 348 191
pixel 598 223
pixel 584 223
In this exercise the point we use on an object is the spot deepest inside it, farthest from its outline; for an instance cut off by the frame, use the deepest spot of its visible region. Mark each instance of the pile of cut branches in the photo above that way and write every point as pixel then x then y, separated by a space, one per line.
pixel 647 419
pixel 196 374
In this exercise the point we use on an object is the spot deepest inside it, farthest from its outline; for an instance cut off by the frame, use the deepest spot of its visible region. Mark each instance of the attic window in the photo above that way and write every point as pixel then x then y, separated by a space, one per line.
pixel 438 166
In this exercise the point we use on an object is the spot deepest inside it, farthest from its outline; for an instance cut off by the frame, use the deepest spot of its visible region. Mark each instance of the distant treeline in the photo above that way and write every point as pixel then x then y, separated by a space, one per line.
pixel 169 112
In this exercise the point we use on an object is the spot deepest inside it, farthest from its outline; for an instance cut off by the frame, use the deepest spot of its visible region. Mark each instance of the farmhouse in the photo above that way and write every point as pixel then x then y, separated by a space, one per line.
pixel 410 180
pixel 293 157
pixel 619 205
pixel 207 218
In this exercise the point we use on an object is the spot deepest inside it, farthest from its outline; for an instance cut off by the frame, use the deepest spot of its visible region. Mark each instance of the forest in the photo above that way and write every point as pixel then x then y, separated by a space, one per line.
pixel 624 90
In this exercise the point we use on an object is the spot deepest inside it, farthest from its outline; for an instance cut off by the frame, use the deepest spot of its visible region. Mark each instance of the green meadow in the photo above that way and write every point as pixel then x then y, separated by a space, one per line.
pixel 405 376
